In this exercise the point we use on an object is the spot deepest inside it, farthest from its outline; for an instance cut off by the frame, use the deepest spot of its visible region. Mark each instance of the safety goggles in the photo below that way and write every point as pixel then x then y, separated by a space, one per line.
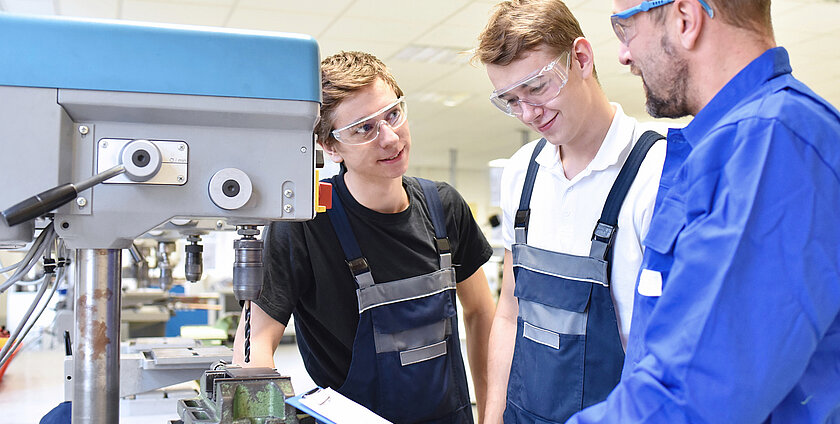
pixel 366 129
pixel 625 32
pixel 536 89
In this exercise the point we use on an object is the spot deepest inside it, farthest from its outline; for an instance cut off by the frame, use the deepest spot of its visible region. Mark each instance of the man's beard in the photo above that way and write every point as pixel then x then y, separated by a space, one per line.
pixel 673 103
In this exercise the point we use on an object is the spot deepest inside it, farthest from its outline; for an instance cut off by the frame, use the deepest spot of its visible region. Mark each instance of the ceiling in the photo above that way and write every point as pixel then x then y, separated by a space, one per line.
pixel 447 95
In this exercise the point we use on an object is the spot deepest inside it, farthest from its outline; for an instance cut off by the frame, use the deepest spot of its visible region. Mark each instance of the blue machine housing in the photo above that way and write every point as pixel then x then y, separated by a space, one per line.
pixel 104 55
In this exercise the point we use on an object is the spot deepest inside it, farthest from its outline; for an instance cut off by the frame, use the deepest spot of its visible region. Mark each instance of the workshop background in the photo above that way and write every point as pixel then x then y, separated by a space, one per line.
pixel 458 136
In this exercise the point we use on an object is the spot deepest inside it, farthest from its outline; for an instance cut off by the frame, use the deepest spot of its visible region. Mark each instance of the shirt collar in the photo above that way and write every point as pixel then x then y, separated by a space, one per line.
pixel 609 153
pixel 769 65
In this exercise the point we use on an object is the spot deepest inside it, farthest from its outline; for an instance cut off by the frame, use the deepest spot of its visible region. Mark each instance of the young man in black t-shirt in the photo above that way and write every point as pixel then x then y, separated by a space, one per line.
pixel 345 345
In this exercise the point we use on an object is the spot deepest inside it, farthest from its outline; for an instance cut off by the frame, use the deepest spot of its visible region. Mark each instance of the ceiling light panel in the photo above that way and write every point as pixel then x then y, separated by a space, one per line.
pixel 275 20
pixel 351 28
pixel 31 7
pixel 432 54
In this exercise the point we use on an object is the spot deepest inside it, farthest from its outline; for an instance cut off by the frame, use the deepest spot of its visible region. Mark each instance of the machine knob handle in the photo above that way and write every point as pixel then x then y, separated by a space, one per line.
pixel 39 204
pixel 46 201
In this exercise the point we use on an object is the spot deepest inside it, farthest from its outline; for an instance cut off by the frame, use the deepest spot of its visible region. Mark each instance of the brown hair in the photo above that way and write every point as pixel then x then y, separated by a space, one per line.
pixel 752 15
pixel 342 75
pixel 520 26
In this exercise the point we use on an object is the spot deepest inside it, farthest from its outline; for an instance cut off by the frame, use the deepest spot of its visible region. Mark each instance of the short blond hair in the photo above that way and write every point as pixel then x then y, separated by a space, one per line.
pixel 520 26
pixel 342 75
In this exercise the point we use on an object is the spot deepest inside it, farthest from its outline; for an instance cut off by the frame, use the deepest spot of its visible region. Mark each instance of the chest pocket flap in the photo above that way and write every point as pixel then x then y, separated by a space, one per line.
pixel 555 279
pixel 406 315
pixel 666 224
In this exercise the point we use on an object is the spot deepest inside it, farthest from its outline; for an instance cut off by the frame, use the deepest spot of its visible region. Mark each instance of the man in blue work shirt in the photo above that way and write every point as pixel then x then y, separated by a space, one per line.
pixel 736 312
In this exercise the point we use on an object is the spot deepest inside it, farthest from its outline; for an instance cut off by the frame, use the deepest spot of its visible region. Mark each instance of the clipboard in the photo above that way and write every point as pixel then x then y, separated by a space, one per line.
pixel 295 401
pixel 328 406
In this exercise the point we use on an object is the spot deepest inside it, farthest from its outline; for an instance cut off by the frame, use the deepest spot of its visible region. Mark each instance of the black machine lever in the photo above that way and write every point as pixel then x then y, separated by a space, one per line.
pixel 53 198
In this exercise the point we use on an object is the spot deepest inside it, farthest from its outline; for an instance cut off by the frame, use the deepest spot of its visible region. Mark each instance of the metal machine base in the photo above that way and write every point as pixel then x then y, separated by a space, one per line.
pixel 230 394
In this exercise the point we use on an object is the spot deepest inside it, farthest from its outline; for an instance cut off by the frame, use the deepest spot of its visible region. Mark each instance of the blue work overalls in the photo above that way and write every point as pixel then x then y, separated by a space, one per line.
pixel 406 364
pixel 568 353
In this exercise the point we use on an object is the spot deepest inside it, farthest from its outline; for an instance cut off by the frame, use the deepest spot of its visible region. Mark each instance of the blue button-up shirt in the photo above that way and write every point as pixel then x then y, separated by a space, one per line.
pixel 745 245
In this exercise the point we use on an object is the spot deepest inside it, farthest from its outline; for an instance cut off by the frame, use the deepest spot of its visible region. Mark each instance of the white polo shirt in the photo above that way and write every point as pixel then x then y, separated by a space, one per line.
pixel 564 212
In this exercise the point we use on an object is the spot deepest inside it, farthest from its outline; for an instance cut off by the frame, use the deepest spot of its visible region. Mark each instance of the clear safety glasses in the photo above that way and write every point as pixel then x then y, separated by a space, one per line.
pixel 537 89
pixel 366 129
pixel 625 32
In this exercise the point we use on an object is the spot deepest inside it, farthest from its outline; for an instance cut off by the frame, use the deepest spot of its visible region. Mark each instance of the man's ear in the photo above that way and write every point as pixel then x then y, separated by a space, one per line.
pixel 582 52
pixel 690 20
pixel 331 151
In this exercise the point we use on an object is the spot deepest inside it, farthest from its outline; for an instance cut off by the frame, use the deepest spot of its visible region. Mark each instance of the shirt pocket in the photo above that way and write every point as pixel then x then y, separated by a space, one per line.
pixel 666 226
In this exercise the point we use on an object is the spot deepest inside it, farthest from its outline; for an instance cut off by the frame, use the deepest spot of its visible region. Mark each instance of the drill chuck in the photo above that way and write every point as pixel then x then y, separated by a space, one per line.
pixel 193 265
pixel 247 269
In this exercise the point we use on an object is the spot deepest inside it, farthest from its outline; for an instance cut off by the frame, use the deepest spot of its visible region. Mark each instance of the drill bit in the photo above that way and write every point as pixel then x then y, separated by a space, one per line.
pixel 247 275
pixel 247 331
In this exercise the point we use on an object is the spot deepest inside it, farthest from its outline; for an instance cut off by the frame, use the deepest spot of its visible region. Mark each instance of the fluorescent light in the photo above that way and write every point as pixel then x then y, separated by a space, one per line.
pixel 445 99
pixel 432 54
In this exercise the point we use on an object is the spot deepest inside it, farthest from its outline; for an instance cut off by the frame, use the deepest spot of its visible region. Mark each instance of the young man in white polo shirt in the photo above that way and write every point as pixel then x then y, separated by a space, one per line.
pixel 573 226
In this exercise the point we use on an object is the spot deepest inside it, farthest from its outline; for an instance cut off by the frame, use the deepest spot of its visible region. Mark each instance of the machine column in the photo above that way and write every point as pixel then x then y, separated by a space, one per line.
pixel 96 352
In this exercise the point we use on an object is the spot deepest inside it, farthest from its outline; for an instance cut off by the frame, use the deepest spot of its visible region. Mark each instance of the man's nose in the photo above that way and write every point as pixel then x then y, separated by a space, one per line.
pixel 624 56
pixel 387 134
pixel 530 113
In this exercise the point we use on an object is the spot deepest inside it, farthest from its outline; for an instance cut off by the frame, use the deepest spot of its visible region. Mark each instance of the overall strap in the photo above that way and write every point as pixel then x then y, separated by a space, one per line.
pixel 604 234
pixel 435 206
pixel 523 214
pixel 352 253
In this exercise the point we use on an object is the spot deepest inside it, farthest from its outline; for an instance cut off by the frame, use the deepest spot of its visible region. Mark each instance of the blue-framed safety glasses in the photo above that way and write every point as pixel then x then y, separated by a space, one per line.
pixel 621 29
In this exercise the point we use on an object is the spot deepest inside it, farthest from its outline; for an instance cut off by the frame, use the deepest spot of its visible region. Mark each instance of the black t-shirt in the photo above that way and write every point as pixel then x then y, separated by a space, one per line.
pixel 306 273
